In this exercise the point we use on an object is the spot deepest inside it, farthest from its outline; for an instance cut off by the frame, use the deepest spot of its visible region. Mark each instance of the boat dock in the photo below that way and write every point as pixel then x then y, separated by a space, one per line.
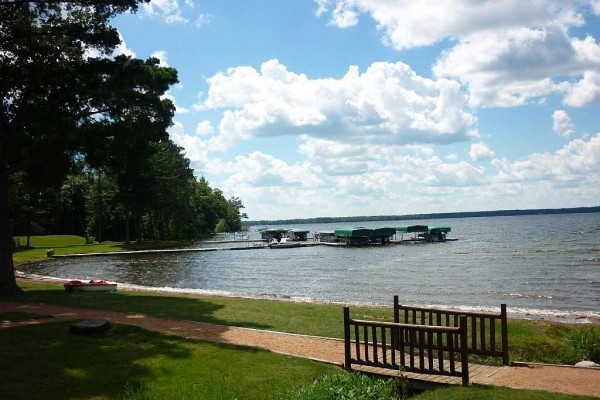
pixel 343 237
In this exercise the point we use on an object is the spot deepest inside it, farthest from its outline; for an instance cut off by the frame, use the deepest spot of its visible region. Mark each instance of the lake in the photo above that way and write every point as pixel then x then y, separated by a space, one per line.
pixel 539 265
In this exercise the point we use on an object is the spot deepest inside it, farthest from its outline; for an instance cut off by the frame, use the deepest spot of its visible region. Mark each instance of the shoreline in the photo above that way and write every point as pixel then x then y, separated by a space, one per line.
pixel 580 318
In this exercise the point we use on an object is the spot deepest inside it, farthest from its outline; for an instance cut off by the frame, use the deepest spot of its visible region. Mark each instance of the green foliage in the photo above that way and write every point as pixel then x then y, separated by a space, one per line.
pixel 586 343
pixel 221 226
pixel 542 341
pixel 346 386
pixel 65 99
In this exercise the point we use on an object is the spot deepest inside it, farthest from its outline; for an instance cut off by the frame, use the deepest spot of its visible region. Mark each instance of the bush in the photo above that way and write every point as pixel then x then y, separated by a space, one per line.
pixel 346 386
pixel 586 343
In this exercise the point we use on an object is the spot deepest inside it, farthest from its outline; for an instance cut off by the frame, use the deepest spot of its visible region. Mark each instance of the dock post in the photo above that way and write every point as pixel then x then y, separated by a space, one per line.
pixel 347 357
pixel 396 310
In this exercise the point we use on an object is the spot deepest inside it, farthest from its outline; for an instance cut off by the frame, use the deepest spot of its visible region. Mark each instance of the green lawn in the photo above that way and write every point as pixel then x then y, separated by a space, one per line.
pixel 129 363
pixel 69 244
pixel 45 361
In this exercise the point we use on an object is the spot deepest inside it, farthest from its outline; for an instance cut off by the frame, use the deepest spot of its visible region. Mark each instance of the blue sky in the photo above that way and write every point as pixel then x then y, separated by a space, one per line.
pixel 311 108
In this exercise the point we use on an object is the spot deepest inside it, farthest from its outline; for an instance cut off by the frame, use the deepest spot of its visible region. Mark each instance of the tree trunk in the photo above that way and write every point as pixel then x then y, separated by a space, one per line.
pixel 126 237
pixel 8 283
pixel 99 206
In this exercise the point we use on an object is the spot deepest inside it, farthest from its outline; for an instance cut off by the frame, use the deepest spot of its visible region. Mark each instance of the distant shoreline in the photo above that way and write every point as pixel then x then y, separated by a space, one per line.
pixel 464 214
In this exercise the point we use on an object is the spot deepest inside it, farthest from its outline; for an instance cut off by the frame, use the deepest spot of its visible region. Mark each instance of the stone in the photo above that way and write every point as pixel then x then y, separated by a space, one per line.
pixel 587 364
pixel 90 327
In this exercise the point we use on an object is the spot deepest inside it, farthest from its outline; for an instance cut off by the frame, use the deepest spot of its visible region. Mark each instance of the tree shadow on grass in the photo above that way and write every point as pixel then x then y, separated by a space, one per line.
pixel 45 361
pixel 186 308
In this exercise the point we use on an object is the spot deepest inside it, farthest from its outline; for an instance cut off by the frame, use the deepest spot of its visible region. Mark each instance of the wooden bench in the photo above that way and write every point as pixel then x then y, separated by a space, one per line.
pixel 431 350
pixel 483 327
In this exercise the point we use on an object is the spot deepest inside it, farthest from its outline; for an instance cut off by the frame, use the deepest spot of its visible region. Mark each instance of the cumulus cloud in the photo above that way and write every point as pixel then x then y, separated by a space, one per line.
pixel 480 152
pixel 410 178
pixel 195 149
pixel 561 123
pixel 161 55
pixel 514 67
pixel 407 23
pixel 387 103
pixel 169 10
pixel 508 53
pixel 577 161
pixel 204 128
pixel 584 92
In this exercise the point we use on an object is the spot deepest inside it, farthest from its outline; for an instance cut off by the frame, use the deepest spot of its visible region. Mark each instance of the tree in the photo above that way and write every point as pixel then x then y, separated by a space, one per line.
pixel 64 99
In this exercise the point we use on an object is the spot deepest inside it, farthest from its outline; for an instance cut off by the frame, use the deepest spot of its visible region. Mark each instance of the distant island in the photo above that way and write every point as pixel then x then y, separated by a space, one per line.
pixel 464 214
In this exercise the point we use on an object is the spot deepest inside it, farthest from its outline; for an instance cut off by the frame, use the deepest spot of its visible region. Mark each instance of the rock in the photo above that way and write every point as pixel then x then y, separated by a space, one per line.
pixel 587 364
pixel 90 327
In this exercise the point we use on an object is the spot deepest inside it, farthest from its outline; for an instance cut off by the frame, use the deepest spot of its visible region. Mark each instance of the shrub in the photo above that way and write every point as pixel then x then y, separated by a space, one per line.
pixel 586 343
pixel 346 386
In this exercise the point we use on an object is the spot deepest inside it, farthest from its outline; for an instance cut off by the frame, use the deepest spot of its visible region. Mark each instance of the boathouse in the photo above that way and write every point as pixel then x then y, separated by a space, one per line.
pixel 272 233
pixel 297 235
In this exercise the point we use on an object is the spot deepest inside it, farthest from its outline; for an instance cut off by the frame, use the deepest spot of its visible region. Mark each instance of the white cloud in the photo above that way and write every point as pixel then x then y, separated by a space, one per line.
pixel 161 55
pixel 577 161
pixel 387 103
pixel 204 128
pixel 508 53
pixel 584 92
pixel 406 179
pixel 480 152
pixel 195 148
pixel 321 7
pixel 561 123
pixel 344 15
pixel 407 23
pixel 169 10
pixel 517 66
pixel 203 20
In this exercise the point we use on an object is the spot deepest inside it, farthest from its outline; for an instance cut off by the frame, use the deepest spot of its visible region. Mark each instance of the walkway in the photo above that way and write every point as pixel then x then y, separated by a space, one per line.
pixel 569 380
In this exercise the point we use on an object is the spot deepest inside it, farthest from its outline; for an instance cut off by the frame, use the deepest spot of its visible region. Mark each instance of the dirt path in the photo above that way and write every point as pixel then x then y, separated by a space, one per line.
pixel 569 380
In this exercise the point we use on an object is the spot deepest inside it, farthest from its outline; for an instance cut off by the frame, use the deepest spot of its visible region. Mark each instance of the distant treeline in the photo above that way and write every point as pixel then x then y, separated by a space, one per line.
pixel 465 214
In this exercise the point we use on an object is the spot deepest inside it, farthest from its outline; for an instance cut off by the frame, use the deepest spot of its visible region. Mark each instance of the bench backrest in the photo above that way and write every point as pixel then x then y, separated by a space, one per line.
pixel 487 332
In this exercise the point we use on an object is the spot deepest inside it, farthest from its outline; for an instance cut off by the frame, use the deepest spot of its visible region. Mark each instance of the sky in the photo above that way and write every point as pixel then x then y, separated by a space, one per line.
pixel 325 108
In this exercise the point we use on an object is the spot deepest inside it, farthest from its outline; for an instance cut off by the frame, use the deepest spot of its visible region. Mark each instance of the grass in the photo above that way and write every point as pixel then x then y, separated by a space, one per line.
pixel 69 244
pixel 129 363
pixel 45 361
pixel 346 386
pixel 19 316
pixel 532 341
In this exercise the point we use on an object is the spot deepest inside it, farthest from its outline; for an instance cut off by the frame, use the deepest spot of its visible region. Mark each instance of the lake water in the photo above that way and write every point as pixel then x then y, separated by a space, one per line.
pixel 539 265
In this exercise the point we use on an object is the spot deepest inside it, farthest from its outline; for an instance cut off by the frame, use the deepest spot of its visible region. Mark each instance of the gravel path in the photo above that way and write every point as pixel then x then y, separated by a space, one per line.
pixel 569 380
